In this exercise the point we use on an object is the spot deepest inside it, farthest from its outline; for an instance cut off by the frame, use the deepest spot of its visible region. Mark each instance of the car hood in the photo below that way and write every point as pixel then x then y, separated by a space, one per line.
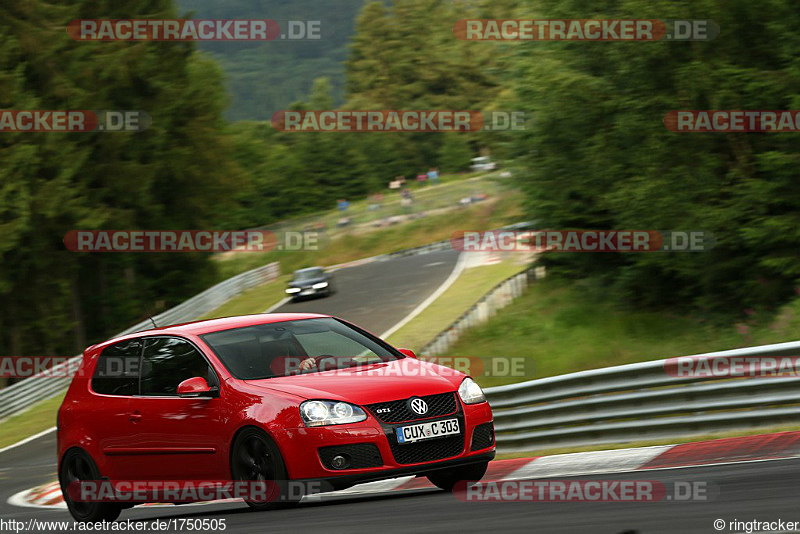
pixel 381 382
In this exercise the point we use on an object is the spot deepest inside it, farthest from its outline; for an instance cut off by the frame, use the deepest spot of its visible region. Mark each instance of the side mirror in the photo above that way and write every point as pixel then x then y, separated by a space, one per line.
pixel 408 352
pixel 196 387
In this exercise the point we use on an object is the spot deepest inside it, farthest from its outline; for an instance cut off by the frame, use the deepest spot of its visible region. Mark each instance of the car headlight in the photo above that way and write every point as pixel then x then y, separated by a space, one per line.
pixel 470 392
pixel 293 290
pixel 324 412
pixel 320 285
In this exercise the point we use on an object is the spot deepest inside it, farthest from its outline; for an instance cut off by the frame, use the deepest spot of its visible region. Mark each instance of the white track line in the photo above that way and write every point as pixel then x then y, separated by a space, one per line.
pixel 277 305
pixel 459 267
pixel 588 463
pixel 28 439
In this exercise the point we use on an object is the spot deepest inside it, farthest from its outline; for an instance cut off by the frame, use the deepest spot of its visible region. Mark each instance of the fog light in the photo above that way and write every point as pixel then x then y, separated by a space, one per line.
pixel 339 462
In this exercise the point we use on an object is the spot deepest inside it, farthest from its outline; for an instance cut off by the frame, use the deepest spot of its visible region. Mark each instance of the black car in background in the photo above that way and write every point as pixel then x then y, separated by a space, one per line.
pixel 310 282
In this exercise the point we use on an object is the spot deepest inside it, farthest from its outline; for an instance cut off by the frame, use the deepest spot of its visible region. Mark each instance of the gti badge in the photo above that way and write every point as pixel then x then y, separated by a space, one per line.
pixel 418 406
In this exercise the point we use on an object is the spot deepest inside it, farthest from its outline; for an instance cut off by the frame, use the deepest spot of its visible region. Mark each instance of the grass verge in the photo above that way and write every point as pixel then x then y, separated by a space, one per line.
pixel 467 290
pixel 426 197
pixel 350 246
pixel 254 300
pixel 38 417
pixel 566 328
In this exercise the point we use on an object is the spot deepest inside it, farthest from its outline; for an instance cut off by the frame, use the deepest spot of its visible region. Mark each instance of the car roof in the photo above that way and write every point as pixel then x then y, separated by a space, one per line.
pixel 214 325
pixel 309 269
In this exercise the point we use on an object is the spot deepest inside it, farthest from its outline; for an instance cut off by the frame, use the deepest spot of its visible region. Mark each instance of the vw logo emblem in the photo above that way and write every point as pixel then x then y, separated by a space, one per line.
pixel 419 406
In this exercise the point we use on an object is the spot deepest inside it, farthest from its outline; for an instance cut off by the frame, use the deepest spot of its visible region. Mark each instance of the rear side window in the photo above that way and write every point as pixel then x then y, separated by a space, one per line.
pixel 167 362
pixel 117 371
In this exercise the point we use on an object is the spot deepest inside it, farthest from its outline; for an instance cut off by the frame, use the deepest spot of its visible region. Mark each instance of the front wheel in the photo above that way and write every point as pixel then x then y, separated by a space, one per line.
pixel 448 478
pixel 255 458
pixel 76 467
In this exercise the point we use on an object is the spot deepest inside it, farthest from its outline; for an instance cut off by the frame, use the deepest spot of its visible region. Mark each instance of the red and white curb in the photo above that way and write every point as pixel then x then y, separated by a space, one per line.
pixel 776 446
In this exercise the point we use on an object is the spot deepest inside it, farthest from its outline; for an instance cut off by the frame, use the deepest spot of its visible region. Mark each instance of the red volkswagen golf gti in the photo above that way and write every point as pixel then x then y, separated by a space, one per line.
pixel 275 397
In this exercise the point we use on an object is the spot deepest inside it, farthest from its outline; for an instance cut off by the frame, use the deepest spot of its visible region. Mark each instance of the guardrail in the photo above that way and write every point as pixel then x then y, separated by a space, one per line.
pixel 644 401
pixel 17 397
pixel 626 403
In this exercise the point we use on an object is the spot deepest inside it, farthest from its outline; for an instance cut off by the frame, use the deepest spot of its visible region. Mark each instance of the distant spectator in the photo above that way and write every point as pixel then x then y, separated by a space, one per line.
pixel 407 200
pixel 433 175
pixel 421 178
pixel 375 201
pixel 342 204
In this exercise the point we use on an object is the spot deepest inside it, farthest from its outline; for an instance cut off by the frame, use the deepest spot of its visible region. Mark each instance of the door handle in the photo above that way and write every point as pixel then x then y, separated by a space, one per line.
pixel 135 417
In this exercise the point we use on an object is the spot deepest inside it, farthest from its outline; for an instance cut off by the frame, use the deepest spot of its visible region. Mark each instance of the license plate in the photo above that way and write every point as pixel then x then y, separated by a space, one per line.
pixel 421 431
pixel 306 291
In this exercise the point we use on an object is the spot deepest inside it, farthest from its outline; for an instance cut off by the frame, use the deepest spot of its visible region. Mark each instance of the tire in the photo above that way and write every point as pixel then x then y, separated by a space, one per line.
pixel 255 457
pixel 78 466
pixel 446 479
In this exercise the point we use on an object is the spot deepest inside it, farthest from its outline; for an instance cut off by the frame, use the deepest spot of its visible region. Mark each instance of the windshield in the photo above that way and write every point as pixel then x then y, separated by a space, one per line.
pixel 294 347
pixel 300 276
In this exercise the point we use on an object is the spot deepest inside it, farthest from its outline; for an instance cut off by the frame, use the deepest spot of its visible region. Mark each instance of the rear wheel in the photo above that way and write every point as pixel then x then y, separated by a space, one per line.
pixel 255 458
pixel 448 478
pixel 77 466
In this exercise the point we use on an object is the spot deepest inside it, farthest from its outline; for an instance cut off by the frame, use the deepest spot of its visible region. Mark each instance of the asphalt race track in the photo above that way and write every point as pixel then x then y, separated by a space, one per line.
pixel 764 491
pixel 377 296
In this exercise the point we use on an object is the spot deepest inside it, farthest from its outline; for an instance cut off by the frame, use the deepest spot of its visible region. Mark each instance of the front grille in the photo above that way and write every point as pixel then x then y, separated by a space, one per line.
pixel 425 451
pixel 399 412
pixel 482 437
pixel 359 455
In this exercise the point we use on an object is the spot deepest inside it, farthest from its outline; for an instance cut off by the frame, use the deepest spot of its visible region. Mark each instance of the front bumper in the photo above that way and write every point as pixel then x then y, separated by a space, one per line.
pixel 300 448
pixel 319 485
pixel 308 292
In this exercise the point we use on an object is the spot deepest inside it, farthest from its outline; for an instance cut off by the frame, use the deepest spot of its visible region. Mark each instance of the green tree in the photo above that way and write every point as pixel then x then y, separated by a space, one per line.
pixel 455 152
pixel 176 175
pixel 600 156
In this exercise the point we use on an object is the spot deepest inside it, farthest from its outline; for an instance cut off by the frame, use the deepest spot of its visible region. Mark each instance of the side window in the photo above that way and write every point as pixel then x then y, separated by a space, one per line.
pixel 117 371
pixel 167 362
